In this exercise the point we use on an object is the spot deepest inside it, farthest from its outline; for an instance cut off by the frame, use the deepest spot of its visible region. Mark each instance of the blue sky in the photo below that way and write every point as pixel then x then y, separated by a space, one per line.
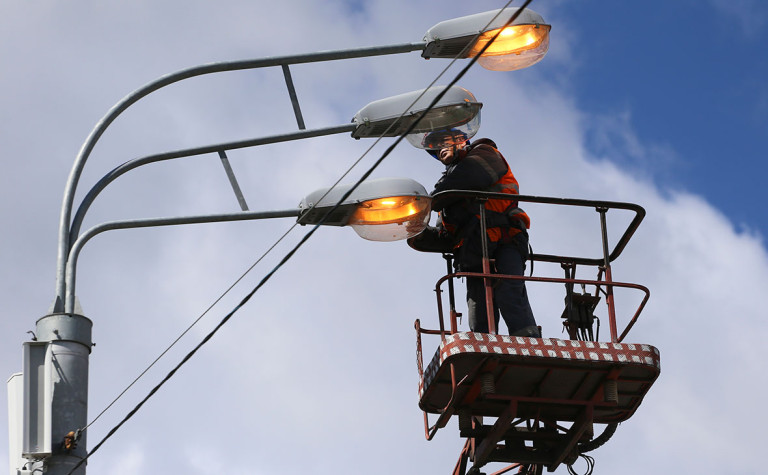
pixel 663 108
pixel 691 77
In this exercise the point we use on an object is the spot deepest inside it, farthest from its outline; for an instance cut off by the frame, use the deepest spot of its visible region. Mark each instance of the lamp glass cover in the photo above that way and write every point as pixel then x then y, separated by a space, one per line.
pixel 516 47
pixel 448 116
pixel 391 218
pixel 446 137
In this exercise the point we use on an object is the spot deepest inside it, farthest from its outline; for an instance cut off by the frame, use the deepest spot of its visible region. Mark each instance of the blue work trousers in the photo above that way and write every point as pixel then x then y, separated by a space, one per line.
pixel 509 296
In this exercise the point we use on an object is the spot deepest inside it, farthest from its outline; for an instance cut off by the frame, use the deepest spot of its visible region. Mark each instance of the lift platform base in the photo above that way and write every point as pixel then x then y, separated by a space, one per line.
pixel 542 394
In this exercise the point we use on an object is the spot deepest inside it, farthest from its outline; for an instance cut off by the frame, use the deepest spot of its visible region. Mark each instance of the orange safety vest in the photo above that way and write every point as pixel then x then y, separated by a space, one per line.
pixel 506 184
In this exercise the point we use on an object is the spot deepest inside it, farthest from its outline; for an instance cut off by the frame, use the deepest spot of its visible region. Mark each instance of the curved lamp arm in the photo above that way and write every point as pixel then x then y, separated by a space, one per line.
pixel 127 101
pixel 85 204
pixel 77 246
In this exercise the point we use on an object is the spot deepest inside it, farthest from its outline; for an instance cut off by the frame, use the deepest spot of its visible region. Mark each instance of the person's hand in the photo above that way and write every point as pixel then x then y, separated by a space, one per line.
pixel 432 239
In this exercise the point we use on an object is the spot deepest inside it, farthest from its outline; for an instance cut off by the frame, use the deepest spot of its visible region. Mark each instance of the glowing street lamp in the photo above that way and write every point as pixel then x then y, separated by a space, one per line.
pixel 522 44
pixel 385 209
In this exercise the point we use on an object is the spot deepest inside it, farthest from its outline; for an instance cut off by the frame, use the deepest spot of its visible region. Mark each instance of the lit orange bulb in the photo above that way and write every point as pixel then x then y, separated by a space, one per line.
pixel 392 218
pixel 396 209
pixel 514 39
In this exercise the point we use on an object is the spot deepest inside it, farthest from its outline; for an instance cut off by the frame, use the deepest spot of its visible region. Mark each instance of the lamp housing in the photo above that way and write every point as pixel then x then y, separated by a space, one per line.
pixel 386 117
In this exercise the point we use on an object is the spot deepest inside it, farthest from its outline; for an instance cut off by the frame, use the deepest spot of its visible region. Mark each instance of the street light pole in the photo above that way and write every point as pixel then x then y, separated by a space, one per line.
pixel 54 388
pixel 457 38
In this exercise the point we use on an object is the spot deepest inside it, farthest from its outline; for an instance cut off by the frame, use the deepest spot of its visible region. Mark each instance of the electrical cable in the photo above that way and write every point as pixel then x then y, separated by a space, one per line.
pixel 306 237
pixel 598 441
pixel 590 465
pixel 195 322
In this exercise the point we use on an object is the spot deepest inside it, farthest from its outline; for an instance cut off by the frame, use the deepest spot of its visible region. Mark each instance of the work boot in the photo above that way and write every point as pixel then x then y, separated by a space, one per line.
pixel 531 331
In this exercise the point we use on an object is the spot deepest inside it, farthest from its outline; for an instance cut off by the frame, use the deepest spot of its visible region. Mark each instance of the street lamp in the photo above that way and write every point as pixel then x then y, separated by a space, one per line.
pixel 393 116
pixel 402 201
pixel 386 209
pixel 519 45
pixel 56 401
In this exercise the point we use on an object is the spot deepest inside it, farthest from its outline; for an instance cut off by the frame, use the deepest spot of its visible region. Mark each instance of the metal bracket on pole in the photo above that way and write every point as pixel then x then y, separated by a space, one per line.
pixel 233 180
pixel 294 97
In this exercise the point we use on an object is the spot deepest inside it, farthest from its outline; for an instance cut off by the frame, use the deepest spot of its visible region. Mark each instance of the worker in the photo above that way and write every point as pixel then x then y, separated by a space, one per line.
pixel 479 166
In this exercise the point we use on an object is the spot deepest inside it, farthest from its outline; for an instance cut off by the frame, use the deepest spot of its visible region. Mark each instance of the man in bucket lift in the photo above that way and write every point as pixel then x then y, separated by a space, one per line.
pixel 479 166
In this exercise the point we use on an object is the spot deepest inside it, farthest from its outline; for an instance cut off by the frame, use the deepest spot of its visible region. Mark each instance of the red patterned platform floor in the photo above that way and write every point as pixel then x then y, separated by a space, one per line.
pixel 545 377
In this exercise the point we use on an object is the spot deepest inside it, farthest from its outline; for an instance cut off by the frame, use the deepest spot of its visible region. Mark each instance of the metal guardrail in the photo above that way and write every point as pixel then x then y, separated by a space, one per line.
pixel 603 283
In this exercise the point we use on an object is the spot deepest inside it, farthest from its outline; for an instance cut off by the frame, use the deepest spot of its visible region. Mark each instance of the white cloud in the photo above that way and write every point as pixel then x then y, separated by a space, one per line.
pixel 317 373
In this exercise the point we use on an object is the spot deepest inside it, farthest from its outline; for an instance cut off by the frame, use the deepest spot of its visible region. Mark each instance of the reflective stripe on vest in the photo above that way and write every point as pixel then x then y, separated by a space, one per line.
pixel 507 184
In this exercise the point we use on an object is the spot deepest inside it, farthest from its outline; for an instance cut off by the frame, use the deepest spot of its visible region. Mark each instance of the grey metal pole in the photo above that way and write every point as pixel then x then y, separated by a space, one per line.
pixel 69 339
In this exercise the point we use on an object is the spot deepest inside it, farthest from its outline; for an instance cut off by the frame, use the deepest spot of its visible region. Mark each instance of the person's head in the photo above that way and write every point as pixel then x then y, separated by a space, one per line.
pixel 446 145
pixel 449 153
